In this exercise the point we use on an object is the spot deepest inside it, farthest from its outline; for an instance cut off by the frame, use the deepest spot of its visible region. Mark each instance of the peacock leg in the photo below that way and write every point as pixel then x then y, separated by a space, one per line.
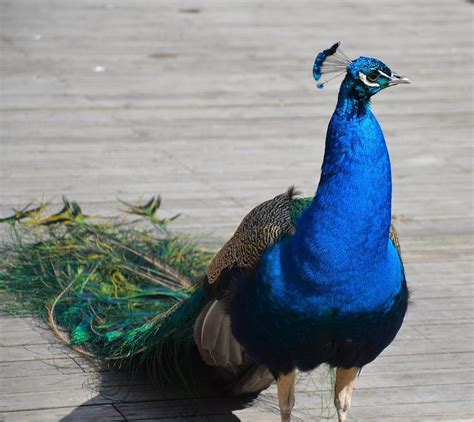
pixel 286 394
pixel 343 391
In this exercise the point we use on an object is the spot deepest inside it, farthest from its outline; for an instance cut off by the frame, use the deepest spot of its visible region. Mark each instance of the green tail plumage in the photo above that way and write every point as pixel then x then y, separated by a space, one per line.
pixel 116 290
pixel 126 292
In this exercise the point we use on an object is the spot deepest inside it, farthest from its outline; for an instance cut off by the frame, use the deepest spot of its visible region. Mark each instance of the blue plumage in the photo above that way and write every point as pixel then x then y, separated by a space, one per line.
pixel 302 281
pixel 335 291
pixel 336 281
pixel 324 284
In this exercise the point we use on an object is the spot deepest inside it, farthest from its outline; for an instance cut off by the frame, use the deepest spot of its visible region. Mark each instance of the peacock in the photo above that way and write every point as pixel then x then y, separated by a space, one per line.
pixel 302 282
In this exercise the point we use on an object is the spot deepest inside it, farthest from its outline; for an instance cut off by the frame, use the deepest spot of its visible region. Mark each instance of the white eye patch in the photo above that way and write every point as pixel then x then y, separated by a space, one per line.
pixel 363 78
pixel 384 74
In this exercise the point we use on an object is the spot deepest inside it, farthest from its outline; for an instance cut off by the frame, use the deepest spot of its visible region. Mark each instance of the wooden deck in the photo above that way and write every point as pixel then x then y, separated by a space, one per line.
pixel 212 105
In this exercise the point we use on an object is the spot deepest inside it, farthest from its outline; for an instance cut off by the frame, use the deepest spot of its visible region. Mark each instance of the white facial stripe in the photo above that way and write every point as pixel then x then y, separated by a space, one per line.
pixel 363 78
pixel 384 74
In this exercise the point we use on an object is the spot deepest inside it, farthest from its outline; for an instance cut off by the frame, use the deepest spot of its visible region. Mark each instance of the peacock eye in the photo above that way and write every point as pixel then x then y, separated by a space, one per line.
pixel 373 75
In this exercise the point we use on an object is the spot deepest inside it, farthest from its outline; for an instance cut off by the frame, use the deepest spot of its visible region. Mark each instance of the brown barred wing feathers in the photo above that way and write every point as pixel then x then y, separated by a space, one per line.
pixel 394 238
pixel 262 227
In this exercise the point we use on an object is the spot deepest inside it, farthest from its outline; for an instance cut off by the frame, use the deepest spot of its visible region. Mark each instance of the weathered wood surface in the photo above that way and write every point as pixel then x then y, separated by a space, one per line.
pixel 211 104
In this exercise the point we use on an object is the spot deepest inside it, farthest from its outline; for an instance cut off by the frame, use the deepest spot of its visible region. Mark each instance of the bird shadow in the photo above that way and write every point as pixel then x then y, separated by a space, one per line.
pixel 121 396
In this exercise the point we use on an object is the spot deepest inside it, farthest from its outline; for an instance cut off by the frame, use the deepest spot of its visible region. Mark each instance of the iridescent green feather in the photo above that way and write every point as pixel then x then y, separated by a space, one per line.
pixel 124 293
pixel 119 292
pixel 297 206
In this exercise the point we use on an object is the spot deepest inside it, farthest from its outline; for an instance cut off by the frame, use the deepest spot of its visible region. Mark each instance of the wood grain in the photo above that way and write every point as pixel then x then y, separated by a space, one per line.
pixel 212 105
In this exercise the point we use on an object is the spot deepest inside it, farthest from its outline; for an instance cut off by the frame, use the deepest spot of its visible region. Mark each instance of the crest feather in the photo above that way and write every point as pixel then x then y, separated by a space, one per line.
pixel 331 60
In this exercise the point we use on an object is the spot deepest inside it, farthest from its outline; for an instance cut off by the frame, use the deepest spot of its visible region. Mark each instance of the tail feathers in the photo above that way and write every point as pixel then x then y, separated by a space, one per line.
pixel 123 291
pixel 218 348
pixel 124 294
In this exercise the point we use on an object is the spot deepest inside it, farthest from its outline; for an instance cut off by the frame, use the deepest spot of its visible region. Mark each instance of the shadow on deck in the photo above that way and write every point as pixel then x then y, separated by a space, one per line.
pixel 122 396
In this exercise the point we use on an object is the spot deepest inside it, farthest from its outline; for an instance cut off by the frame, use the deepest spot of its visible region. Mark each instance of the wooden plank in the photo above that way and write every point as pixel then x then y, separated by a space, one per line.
pixel 102 413
pixel 34 370
pixel 216 110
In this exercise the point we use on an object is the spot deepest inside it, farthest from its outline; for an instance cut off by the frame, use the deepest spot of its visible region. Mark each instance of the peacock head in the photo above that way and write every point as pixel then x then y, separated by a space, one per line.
pixel 365 76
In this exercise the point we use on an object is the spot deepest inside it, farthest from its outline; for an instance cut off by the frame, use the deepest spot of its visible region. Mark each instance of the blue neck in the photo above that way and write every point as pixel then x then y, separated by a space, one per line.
pixel 345 229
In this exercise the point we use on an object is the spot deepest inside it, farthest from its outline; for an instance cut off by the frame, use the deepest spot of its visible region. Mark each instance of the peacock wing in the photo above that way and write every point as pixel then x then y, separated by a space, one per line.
pixel 394 238
pixel 262 227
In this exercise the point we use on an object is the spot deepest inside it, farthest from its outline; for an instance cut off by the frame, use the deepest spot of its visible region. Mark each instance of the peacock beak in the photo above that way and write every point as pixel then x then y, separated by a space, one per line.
pixel 396 79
